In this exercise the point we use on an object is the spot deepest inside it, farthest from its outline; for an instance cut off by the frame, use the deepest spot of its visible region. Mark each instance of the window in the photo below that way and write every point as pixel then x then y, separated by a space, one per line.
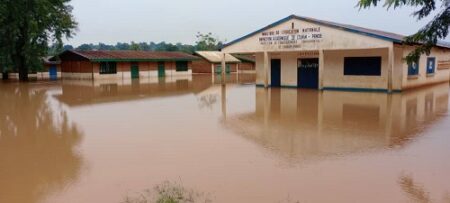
pixel 360 66
pixel 227 68
pixel 182 66
pixel 108 68
pixel 413 69
pixel 431 65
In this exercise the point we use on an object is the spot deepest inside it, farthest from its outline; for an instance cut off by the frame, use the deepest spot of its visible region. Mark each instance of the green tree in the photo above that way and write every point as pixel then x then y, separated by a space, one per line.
pixel 27 27
pixel 135 46
pixel 430 34
pixel 207 42
pixel 85 47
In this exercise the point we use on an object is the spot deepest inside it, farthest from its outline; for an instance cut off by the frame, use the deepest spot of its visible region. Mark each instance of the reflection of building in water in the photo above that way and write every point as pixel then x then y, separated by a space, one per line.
pixel 305 124
pixel 83 92
pixel 37 145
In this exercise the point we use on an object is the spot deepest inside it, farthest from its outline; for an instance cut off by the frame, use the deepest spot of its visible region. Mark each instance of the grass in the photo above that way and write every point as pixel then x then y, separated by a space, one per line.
pixel 169 192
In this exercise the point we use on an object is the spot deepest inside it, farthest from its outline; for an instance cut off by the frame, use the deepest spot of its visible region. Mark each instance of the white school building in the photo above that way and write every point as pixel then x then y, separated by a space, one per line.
pixel 309 53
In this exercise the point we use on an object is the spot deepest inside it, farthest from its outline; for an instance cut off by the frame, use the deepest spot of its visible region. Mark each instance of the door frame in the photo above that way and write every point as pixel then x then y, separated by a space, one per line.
pixel 161 66
pixel 299 72
pixel 134 66
pixel 53 72
pixel 272 76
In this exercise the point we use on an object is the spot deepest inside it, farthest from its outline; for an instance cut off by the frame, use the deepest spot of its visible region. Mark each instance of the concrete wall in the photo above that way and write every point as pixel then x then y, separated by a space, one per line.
pixel 42 75
pixel 83 70
pixel 441 75
pixel 246 67
pixel 204 66
pixel 332 39
pixel 333 76
pixel 333 73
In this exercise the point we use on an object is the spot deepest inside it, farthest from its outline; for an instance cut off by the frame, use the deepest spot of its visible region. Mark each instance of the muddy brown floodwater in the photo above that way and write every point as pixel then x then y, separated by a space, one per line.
pixel 80 141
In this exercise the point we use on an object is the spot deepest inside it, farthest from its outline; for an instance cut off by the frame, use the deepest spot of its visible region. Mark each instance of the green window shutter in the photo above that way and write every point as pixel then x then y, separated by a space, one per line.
pixel 182 66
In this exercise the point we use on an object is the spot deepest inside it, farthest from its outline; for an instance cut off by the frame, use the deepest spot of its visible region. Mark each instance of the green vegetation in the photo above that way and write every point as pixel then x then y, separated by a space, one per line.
pixel 205 42
pixel 427 36
pixel 144 46
pixel 27 27
pixel 169 192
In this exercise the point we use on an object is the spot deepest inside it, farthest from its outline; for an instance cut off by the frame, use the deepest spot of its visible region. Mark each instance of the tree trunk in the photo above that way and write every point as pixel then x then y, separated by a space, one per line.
pixel 21 67
pixel 5 75
pixel 23 74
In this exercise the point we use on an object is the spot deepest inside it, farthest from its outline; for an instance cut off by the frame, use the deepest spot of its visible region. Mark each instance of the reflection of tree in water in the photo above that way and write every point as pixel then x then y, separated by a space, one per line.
pixel 207 101
pixel 36 145
pixel 416 192
pixel 169 192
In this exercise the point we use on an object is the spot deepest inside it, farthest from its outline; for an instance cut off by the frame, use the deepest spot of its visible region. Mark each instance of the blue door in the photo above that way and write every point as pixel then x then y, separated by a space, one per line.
pixel 275 72
pixel 53 73
pixel 308 73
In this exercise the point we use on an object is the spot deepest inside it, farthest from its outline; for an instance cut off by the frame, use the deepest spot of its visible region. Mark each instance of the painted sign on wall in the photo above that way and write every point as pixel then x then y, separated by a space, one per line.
pixel 290 38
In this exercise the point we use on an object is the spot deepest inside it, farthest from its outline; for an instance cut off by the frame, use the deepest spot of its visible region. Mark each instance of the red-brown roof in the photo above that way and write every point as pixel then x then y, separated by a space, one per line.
pixel 134 55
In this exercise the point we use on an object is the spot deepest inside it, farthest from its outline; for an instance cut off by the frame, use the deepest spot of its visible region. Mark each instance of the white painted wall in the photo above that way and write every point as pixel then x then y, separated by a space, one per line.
pixel 332 39
pixel 441 75
pixel 334 77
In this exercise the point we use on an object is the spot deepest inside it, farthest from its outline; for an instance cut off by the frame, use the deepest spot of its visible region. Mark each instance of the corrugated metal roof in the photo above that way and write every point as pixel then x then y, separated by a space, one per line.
pixel 389 36
pixel 50 60
pixel 134 55
pixel 245 58
pixel 216 57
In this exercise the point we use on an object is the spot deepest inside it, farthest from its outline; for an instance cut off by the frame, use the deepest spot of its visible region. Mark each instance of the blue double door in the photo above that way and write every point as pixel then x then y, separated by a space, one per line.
pixel 307 73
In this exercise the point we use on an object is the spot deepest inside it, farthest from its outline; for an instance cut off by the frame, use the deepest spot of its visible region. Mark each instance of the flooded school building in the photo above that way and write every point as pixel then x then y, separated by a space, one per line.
pixel 124 64
pixel 309 53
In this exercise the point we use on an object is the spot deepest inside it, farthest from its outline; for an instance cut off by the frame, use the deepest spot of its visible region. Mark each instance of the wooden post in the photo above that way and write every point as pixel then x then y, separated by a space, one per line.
pixel 266 69
pixel 390 68
pixel 321 68
pixel 224 65
pixel 237 72
pixel 213 73
pixel 224 101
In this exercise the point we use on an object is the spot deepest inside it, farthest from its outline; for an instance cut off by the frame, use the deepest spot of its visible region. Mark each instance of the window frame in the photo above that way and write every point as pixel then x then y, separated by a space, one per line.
pixel 181 69
pixel 349 70
pixel 110 69
pixel 429 59
pixel 413 74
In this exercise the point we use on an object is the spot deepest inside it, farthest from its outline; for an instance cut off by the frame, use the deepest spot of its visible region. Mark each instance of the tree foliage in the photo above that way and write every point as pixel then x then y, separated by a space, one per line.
pixel 207 42
pixel 430 34
pixel 27 27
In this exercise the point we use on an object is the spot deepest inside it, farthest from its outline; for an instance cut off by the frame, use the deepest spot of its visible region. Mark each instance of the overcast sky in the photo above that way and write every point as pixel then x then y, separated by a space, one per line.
pixel 112 21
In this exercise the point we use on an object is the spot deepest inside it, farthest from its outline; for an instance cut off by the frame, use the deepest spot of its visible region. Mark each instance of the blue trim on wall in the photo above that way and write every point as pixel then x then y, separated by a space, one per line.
pixel 354 89
pixel 312 21
pixel 347 89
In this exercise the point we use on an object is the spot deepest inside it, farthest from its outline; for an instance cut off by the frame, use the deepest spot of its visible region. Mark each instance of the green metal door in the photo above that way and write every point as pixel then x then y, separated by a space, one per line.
pixel 228 69
pixel 161 69
pixel 219 69
pixel 134 71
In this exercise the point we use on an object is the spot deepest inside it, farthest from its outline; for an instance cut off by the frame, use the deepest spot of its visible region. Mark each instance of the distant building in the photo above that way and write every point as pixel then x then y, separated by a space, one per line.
pixel 50 70
pixel 211 61
pixel 309 53
pixel 124 64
